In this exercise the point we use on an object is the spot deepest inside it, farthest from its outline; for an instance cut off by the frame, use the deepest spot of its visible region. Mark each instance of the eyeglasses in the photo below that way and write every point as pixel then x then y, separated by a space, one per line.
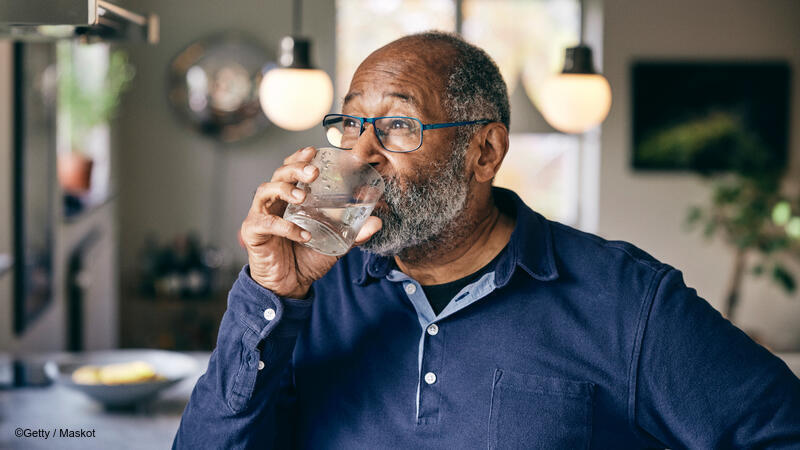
pixel 396 133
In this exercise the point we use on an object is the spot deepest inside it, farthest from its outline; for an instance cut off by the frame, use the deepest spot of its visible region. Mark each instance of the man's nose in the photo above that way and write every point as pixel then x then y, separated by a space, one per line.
pixel 369 149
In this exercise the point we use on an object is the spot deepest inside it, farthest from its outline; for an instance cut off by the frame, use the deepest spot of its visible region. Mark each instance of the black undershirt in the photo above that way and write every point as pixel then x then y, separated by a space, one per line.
pixel 440 295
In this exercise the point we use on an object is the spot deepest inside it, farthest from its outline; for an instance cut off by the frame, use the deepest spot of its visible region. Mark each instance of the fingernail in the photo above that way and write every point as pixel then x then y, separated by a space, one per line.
pixel 297 193
pixel 308 170
pixel 305 235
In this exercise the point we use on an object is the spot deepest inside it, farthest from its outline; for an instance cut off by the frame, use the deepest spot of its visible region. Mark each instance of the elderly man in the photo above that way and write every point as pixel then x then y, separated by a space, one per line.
pixel 463 319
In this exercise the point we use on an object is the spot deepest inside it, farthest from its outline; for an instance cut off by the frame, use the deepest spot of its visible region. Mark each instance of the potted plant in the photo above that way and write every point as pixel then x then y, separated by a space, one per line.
pixel 88 97
pixel 758 222
pixel 750 206
pixel 761 223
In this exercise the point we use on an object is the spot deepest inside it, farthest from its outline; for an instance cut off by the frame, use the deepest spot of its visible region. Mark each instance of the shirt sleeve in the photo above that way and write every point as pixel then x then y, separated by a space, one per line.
pixel 702 383
pixel 242 399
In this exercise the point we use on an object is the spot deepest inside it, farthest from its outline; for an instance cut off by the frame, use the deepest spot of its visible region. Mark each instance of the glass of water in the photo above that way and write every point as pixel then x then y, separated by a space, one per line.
pixel 337 202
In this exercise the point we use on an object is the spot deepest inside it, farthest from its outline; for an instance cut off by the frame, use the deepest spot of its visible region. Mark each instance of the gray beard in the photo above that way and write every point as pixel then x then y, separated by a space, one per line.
pixel 419 212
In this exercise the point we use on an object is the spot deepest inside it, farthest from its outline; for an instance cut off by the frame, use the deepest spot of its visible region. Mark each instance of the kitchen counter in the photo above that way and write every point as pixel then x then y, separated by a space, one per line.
pixel 150 426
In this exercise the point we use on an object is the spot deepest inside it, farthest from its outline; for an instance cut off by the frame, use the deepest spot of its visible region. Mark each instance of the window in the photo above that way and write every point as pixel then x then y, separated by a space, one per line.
pixel 363 26
pixel 542 169
pixel 527 40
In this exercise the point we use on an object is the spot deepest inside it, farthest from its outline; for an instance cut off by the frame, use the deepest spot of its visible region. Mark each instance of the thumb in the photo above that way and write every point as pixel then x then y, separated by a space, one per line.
pixel 370 227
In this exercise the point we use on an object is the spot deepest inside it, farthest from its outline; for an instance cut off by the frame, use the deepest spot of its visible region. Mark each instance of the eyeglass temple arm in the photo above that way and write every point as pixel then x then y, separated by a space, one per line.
pixel 433 126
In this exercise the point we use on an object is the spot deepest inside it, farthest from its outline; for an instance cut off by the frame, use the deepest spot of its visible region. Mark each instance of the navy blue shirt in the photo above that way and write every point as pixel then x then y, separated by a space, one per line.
pixel 571 341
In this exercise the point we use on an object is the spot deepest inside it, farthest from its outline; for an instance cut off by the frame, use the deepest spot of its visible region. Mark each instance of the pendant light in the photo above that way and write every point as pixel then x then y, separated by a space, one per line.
pixel 295 96
pixel 578 98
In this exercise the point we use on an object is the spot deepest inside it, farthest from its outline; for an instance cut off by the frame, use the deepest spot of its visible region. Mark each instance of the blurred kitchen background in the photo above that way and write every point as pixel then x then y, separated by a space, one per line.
pixel 697 161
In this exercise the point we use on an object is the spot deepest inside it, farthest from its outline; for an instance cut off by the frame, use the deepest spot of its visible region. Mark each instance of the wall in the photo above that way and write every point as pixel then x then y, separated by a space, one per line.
pixel 648 209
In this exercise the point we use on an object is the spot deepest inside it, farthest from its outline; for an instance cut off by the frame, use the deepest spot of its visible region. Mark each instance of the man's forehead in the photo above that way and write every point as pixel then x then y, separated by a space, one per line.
pixel 395 76
pixel 399 61
pixel 393 94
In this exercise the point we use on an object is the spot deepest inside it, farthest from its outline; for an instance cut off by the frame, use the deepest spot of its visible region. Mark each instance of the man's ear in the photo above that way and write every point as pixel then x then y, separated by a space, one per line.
pixel 492 146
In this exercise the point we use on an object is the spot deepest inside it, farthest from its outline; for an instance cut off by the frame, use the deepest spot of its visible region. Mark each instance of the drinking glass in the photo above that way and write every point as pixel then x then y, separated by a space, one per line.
pixel 337 202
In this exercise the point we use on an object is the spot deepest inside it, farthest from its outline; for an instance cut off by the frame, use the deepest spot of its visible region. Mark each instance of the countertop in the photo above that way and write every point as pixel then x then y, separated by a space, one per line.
pixel 149 426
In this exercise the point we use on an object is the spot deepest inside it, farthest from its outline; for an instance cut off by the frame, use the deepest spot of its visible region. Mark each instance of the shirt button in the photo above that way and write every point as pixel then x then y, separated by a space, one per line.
pixel 260 365
pixel 410 288
pixel 433 329
pixel 430 378
pixel 269 313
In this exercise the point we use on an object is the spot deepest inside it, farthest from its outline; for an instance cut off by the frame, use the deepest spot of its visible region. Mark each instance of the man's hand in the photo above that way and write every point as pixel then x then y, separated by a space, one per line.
pixel 277 261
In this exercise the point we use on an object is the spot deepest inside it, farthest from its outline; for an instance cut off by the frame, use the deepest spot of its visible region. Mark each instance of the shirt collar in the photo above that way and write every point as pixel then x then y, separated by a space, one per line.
pixel 530 246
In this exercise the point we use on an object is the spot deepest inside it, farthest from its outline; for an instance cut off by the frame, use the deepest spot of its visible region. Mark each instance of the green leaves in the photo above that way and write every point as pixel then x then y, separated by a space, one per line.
pixel 87 104
pixel 784 278
pixel 750 214
pixel 793 228
pixel 694 215
pixel 725 193
pixel 781 213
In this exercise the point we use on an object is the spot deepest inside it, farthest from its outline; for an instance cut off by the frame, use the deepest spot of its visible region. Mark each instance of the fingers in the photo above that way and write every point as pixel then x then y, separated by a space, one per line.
pixel 269 192
pixel 370 227
pixel 259 227
pixel 294 172
pixel 296 168
pixel 305 154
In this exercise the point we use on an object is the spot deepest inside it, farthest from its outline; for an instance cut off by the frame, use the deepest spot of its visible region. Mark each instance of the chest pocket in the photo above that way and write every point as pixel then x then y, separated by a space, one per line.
pixel 535 412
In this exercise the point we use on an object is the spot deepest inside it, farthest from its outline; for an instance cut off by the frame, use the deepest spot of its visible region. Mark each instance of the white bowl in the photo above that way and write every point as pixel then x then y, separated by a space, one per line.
pixel 173 366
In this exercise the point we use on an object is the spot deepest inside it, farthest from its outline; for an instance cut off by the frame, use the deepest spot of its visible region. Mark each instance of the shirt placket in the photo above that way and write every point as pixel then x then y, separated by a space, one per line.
pixel 432 339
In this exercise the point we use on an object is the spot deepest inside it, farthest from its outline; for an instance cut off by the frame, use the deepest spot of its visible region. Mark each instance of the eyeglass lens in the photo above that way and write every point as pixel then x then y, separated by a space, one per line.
pixel 399 134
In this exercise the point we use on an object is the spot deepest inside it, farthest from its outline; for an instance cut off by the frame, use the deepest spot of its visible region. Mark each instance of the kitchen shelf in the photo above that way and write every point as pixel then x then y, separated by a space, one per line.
pixel 171 323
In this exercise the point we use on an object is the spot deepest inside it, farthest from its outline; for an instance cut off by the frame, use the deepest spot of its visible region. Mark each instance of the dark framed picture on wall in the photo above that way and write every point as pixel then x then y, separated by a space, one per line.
pixel 710 116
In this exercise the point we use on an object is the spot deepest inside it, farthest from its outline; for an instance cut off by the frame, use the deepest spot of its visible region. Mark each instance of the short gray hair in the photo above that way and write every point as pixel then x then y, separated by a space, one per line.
pixel 475 88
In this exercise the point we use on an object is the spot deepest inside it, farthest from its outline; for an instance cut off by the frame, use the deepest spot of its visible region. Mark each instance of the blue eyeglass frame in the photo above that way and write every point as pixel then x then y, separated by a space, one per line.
pixel 423 127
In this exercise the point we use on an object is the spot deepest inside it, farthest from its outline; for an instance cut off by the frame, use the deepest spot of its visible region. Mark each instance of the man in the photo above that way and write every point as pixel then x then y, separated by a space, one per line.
pixel 465 319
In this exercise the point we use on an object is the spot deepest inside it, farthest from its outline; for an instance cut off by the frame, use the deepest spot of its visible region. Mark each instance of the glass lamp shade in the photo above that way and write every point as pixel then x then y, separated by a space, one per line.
pixel 296 99
pixel 574 103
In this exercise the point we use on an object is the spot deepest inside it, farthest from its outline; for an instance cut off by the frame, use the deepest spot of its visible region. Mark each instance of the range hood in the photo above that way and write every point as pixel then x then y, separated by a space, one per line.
pixel 91 20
